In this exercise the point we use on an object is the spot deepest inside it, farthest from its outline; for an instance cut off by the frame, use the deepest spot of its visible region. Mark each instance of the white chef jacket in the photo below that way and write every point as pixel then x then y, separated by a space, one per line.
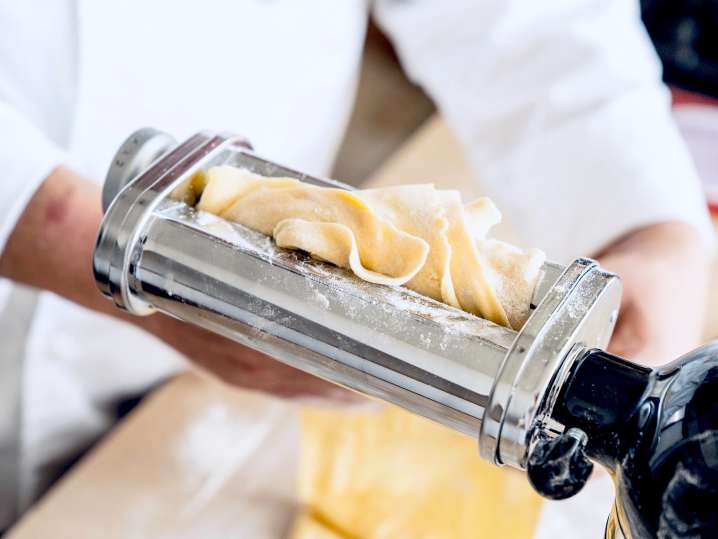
pixel 559 105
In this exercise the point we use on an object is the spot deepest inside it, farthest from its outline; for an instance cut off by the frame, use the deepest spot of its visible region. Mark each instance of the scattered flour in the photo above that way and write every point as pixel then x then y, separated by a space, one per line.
pixel 340 291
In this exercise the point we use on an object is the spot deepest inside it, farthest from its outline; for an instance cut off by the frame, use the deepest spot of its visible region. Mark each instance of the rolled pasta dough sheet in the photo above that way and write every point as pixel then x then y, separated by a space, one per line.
pixel 417 236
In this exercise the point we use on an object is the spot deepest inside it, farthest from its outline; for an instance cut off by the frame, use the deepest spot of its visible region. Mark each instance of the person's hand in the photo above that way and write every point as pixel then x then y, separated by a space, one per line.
pixel 664 272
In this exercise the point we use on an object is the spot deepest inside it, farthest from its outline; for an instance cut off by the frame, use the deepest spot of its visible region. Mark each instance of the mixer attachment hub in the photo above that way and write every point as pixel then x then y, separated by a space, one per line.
pixel 559 468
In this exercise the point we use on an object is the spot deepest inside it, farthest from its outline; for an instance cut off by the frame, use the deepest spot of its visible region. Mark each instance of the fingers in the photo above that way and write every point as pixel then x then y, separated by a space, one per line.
pixel 628 339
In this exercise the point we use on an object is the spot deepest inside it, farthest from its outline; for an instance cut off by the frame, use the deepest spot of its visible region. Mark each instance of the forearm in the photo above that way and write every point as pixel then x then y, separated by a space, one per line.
pixel 52 243
pixel 51 248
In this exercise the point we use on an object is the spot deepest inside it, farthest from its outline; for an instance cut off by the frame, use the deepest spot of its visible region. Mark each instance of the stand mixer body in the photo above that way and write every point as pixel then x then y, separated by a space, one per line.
pixel 656 432
pixel 528 396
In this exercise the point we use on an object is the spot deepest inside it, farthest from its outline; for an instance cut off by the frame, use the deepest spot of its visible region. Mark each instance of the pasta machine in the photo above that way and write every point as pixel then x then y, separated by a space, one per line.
pixel 545 399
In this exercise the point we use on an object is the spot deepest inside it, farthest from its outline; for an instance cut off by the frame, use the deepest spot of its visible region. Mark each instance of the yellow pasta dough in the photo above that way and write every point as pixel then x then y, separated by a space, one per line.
pixel 415 235
pixel 392 475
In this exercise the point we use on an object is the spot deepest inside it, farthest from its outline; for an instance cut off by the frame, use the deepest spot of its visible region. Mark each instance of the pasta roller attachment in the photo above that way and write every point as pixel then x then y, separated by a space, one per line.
pixel 518 392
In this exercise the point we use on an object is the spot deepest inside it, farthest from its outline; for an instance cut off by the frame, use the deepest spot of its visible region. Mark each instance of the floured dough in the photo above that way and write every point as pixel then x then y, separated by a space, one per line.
pixel 390 474
pixel 415 235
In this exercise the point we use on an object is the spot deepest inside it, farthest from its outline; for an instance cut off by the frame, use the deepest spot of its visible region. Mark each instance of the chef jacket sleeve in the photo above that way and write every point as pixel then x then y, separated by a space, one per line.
pixel 27 157
pixel 562 112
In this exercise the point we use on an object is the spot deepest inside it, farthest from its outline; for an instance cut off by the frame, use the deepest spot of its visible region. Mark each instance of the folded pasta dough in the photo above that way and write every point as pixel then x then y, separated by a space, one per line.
pixel 414 235
pixel 332 224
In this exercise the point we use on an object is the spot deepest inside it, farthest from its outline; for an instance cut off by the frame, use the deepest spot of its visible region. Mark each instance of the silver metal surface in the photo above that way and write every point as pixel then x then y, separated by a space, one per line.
pixel 154 253
pixel 157 253
pixel 134 156
pixel 386 342
pixel 128 213
pixel 578 312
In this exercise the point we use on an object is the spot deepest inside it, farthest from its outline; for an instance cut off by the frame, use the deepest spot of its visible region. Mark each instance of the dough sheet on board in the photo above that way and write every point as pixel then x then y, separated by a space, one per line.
pixel 393 475
pixel 414 235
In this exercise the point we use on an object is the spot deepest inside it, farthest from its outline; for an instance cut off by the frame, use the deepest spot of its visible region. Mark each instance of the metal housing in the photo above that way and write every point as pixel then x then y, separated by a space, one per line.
pixel 156 253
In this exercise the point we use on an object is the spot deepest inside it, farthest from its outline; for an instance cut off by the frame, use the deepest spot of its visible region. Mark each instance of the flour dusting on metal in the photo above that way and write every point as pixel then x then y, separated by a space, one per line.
pixel 155 253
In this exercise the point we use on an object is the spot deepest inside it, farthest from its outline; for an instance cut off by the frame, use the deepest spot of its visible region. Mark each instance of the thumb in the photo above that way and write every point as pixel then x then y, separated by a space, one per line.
pixel 629 339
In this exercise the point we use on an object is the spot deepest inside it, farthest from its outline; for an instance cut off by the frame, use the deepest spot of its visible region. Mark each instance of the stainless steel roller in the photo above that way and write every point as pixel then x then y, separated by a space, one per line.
pixel 155 253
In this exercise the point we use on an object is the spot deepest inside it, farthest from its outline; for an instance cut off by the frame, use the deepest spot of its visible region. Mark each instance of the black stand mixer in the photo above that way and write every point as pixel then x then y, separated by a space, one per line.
pixel 545 399
pixel 655 431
